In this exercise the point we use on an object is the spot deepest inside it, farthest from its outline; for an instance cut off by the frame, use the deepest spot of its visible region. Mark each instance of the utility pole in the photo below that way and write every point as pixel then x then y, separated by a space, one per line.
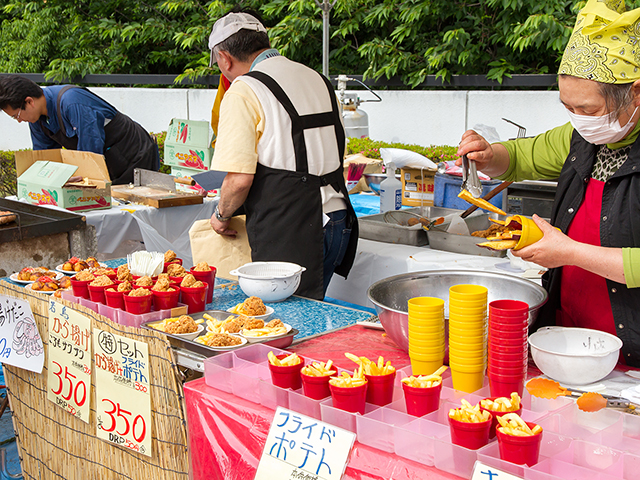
pixel 325 6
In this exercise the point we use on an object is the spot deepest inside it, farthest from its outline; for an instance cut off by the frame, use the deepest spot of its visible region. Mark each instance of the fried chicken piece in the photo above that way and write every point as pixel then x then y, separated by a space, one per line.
pixel 83 276
pixel 253 306
pixel 123 273
pixel 139 292
pixel 198 284
pixel 101 281
pixel 184 324
pixel 223 340
pixel 234 326
pixel 176 270
pixel 125 286
pixel 162 285
pixel 188 281
pixel 164 276
pixel 251 323
pixel 65 282
pixel 275 323
pixel 7 217
pixel 144 281
pixel 169 256
pixel 493 229
pixel 25 273
pixel 79 266
pixel 92 262
pixel 202 267
pixel 37 286
pixel 50 286
pixel 97 271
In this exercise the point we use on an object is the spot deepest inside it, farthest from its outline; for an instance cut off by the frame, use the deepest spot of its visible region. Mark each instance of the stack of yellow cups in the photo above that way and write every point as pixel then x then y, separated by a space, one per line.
pixel 426 334
pixel 467 336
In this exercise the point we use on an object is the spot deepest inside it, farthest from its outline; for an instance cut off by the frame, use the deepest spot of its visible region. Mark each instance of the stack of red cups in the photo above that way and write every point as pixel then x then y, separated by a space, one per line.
pixel 507 347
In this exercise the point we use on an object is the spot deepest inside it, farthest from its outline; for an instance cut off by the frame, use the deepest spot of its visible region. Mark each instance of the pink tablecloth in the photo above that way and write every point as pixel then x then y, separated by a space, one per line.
pixel 227 435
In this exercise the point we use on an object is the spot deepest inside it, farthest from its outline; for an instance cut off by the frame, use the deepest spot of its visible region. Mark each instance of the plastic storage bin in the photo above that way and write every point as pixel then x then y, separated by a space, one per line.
pixel 447 187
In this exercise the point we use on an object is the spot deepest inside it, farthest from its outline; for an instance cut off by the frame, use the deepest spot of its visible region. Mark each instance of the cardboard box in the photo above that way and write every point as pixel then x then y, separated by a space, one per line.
pixel 43 173
pixel 417 186
pixel 188 144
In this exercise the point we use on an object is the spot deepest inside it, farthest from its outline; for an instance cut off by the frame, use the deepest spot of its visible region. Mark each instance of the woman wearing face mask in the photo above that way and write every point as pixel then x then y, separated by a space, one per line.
pixel 594 260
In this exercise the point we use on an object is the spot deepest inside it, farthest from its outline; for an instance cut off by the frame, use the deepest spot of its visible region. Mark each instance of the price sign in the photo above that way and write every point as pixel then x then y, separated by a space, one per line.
pixel 483 472
pixel 69 360
pixel 301 447
pixel 20 341
pixel 123 401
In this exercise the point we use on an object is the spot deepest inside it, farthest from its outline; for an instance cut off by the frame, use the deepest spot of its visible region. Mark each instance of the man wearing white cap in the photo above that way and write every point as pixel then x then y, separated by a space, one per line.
pixel 281 140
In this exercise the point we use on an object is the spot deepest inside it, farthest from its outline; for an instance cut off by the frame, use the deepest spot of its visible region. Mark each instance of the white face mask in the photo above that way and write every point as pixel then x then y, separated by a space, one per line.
pixel 602 129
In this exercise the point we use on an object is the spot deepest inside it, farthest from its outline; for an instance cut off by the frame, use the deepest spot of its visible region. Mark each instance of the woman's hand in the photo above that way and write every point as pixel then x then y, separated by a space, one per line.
pixel 492 160
pixel 553 250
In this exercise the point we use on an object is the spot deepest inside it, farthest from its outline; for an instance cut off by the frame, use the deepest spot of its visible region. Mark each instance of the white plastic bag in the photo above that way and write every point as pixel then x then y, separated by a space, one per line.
pixel 405 158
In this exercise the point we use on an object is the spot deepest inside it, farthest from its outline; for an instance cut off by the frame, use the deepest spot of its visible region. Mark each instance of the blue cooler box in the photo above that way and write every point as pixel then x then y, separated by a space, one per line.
pixel 447 188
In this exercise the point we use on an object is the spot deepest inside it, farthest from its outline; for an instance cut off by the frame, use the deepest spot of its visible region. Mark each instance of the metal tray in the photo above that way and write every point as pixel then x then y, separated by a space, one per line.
pixel 177 342
pixel 439 239
pixel 374 227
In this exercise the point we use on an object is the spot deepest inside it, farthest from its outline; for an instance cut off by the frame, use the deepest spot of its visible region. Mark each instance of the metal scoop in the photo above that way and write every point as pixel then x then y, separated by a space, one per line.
pixel 470 179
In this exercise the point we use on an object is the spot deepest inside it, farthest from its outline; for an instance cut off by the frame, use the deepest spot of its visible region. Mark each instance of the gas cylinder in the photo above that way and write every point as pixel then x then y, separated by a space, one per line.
pixel 356 121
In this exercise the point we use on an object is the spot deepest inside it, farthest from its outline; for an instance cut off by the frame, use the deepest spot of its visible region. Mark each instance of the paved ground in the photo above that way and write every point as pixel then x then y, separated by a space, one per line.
pixel 8 438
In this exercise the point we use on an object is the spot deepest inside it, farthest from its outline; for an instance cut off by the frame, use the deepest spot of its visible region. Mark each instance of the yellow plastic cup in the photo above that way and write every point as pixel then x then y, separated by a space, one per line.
pixel 467 324
pixel 455 310
pixel 467 382
pixel 425 353
pixel 459 359
pixel 419 367
pixel 428 336
pixel 531 233
pixel 422 305
pixel 468 292
pixel 426 320
pixel 430 345
pixel 467 303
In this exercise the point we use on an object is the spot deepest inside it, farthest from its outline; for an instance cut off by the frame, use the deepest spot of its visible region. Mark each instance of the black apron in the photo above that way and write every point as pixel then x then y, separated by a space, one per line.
pixel 284 208
pixel 126 144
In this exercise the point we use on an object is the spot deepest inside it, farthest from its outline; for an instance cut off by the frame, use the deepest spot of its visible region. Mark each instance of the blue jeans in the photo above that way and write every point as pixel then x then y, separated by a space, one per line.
pixel 336 240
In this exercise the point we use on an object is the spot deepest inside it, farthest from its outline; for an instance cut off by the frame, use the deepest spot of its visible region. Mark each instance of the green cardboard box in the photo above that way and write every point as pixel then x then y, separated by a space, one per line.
pixel 42 175
pixel 188 144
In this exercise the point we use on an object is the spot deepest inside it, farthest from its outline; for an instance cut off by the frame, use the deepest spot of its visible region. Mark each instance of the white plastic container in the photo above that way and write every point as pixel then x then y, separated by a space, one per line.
pixel 390 190
pixel 271 281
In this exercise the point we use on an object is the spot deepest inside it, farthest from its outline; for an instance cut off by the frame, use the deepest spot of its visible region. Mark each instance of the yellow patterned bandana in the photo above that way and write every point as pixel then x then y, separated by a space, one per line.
pixel 605 44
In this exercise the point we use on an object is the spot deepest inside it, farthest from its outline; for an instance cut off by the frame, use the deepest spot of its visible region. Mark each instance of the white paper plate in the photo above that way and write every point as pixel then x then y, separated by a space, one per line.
pixel 224 349
pixel 67 272
pixel 14 277
pixel 257 317
pixel 251 339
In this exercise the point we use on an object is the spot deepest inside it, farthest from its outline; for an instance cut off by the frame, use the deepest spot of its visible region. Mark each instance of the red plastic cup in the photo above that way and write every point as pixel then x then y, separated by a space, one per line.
pixel 286 376
pixel 513 338
pixel 509 327
pixel 509 308
pixel 96 293
pixel 421 401
pixel 138 305
pixel 207 277
pixel 165 300
pixel 471 435
pixel 520 450
pixel 315 387
pixel 195 298
pixel 349 399
pixel 507 347
pixel 502 386
pixel 514 372
pixel 380 390
pixel 498 362
pixel 114 299
pixel 80 288
pixel 508 357
pixel 494 424
pixel 166 264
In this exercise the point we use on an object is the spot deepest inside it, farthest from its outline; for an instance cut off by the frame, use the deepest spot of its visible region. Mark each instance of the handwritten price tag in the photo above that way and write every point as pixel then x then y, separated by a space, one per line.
pixel 301 447
pixel 69 360
pixel 20 341
pixel 484 472
pixel 123 402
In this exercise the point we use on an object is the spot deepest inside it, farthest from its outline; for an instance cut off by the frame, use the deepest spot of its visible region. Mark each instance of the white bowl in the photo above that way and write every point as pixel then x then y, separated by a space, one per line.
pixel 256 339
pixel 189 336
pixel 574 356
pixel 271 281
pixel 257 317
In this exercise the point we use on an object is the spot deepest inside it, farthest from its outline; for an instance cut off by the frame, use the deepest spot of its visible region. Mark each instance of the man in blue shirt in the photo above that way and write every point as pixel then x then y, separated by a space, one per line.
pixel 74 118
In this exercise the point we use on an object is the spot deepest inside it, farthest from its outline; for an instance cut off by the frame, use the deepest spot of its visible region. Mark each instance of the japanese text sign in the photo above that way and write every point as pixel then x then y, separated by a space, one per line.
pixel 123 401
pixel 69 360
pixel 301 447
pixel 20 341
pixel 483 472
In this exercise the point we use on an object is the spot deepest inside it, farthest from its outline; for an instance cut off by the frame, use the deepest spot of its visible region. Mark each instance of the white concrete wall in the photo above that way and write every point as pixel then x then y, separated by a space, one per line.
pixel 419 117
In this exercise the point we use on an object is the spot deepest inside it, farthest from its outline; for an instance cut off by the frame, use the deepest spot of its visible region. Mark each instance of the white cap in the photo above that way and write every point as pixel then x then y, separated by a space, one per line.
pixel 233 23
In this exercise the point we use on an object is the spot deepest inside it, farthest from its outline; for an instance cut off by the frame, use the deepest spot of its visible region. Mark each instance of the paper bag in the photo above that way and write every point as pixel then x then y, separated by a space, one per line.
pixel 224 253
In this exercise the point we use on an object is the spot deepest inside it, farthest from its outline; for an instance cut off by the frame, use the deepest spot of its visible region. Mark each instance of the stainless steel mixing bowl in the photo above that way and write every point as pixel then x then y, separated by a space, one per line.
pixel 390 295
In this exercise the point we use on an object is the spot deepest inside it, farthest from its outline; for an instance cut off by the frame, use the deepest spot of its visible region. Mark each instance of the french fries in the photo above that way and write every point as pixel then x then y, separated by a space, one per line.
pixel 512 424
pixel 287 361
pixel 319 369
pixel 371 368
pixel 502 404
pixel 345 380
pixel 162 326
pixel 217 326
pixel 262 332
pixel 469 414
pixel 425 381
